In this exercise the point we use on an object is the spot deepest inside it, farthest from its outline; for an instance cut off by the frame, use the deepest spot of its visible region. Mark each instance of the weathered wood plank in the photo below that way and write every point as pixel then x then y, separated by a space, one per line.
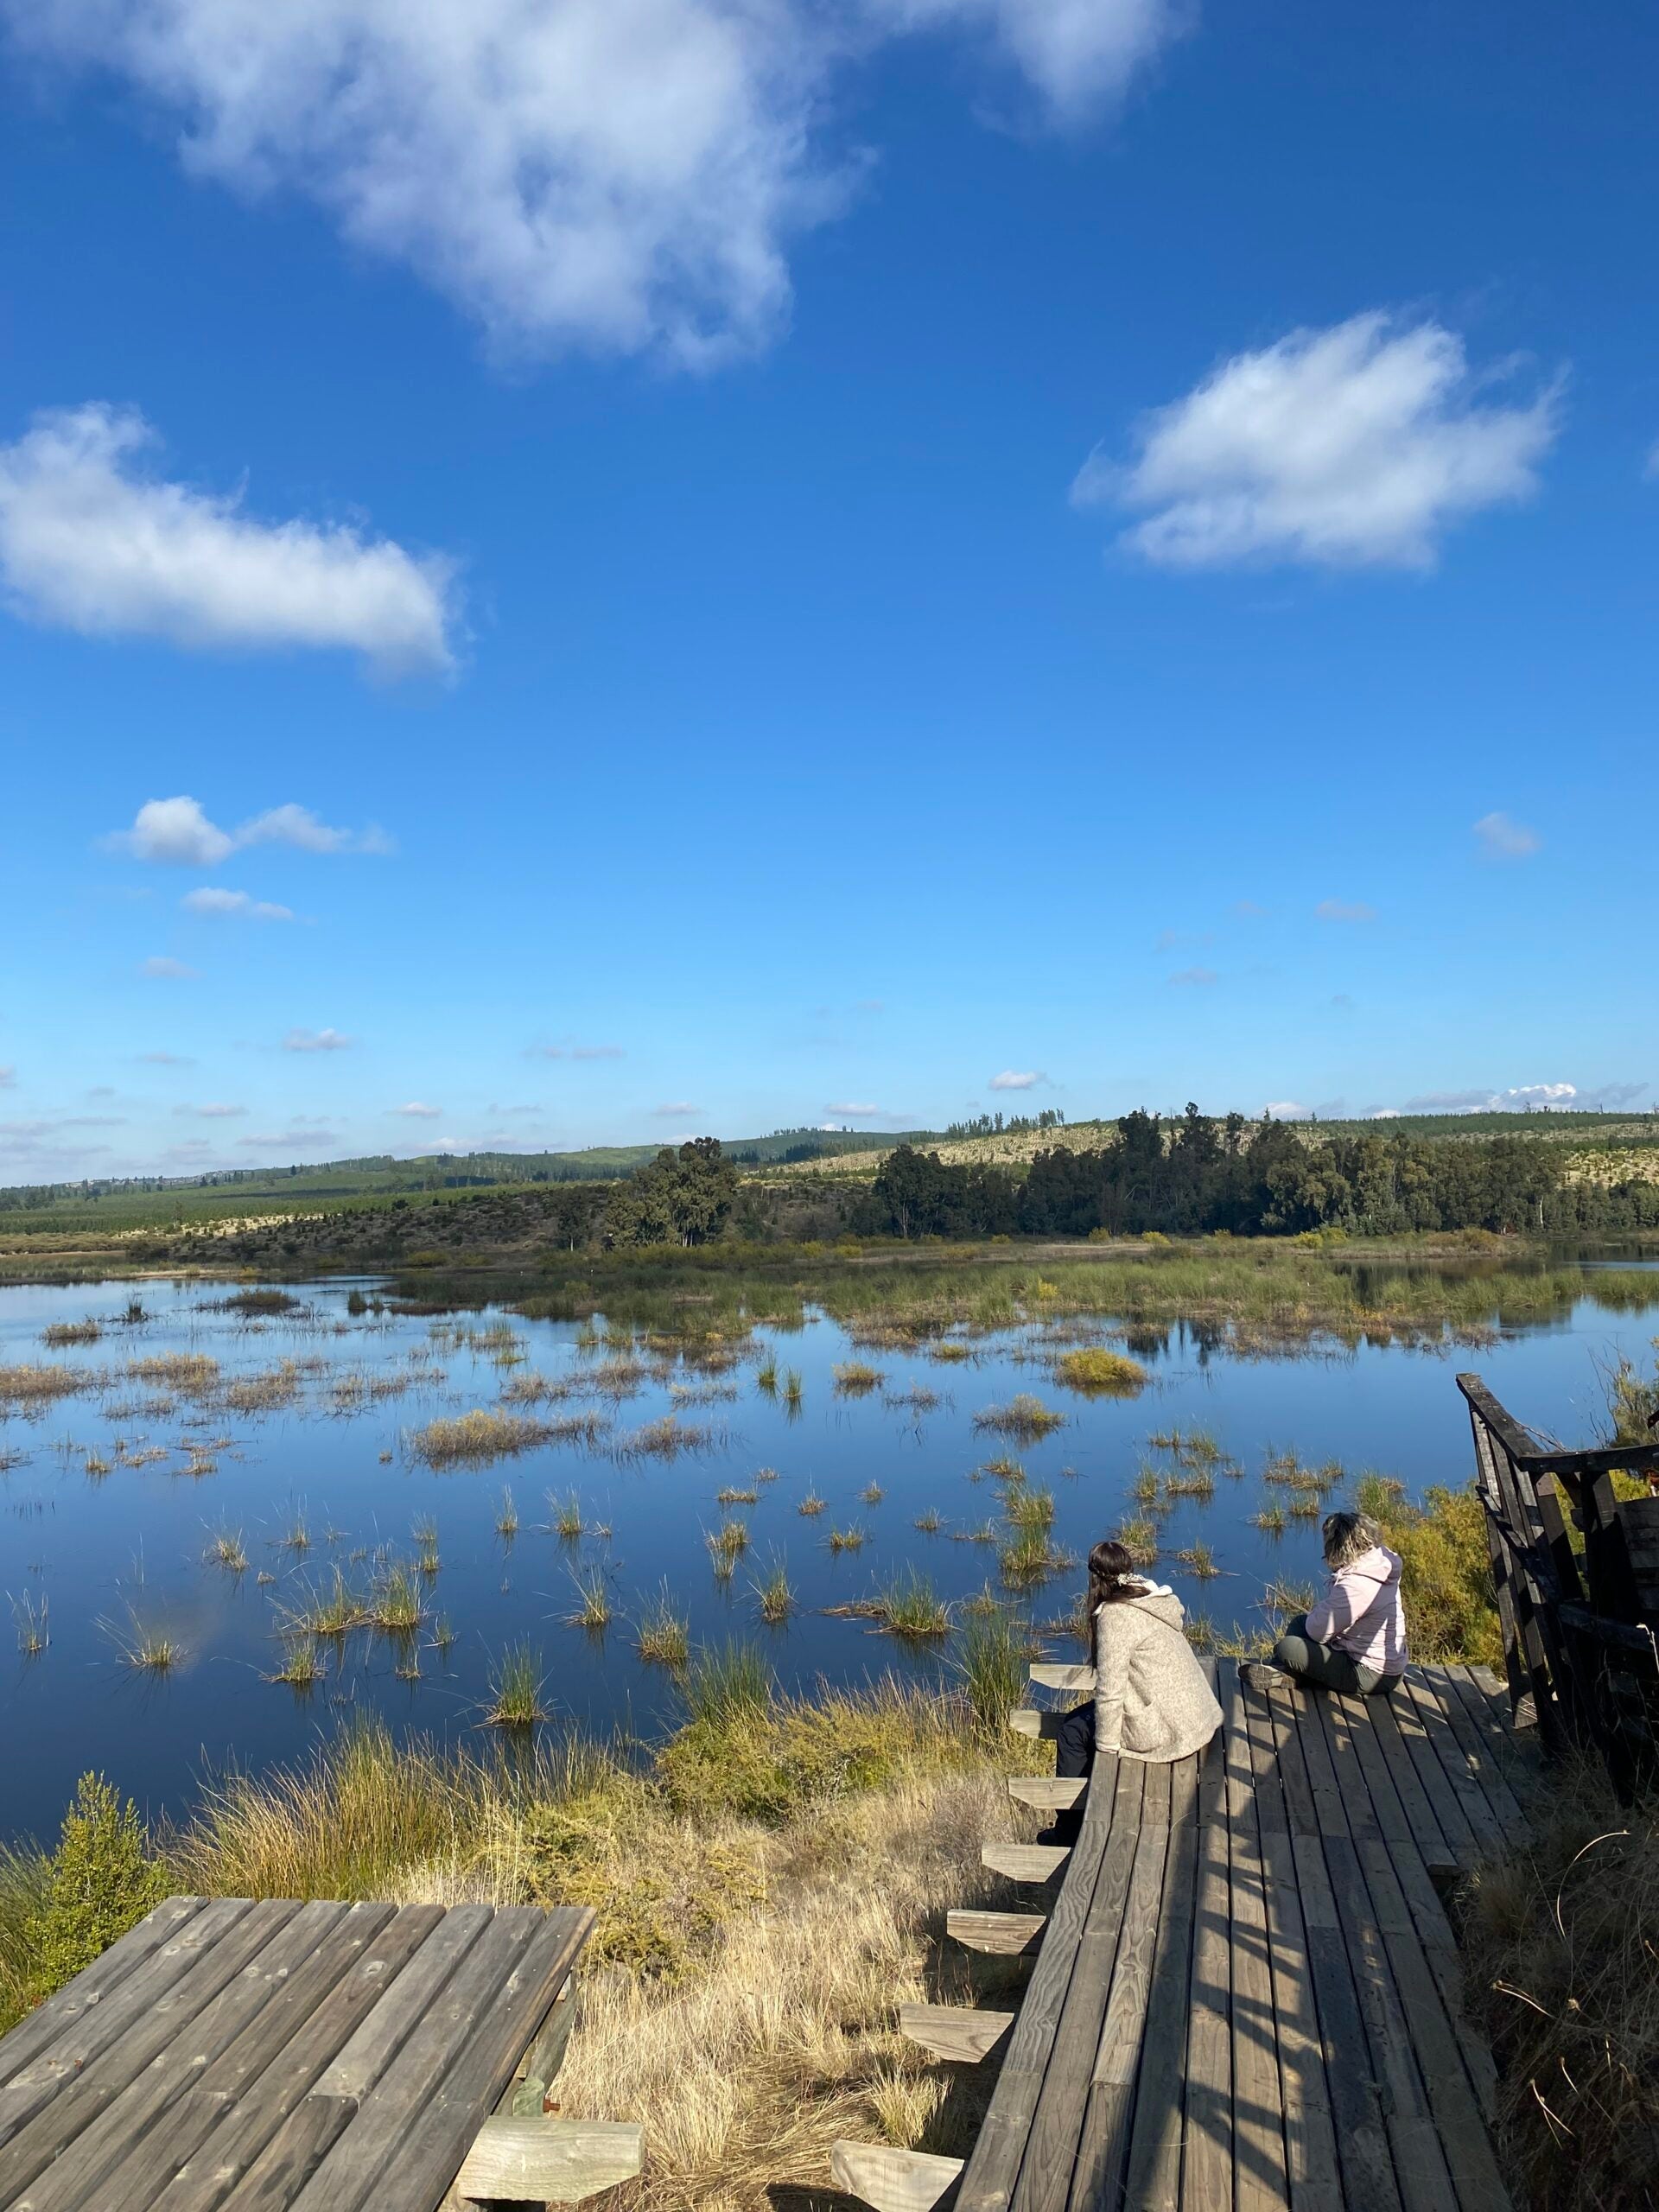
pixel 127 2152
pixel 1367 2163
pixel 381 2034
pixel 1452 1689
pixel 36 2033
pixel 279 2175
pixel 1153 2179
pixel 1312 2171
pixel 1207 2162
pixel 1028 1720
pixel 962 2033
pixel 96 2028
pixel 61 2091
pixel 1025 1862
pixel 549 2161
pixel 1046 1793
pixel 224 2125
pixel 894 2181
pixel 1045 2174
pixel 1005 1935
pixel 1079 1681
pixel 1102 2150
pixel 453 2067
pixel 1438 1852
pixel 1260 2179
pixel 1461 1772
pixel 988 2181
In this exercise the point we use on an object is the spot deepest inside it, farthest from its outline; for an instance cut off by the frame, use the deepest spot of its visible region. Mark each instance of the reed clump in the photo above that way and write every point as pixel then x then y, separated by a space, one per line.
pixel 1024 1418
pixel 474 1439
pixel 1098 1373
pixel 857 1378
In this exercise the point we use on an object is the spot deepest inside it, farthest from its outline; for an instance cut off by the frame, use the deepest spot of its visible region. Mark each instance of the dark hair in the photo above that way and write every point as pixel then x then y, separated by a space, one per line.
pixel 1111 1575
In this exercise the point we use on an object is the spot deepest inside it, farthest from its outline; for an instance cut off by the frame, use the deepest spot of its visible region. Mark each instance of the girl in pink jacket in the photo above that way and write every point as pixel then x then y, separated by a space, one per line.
pixel 1354 1638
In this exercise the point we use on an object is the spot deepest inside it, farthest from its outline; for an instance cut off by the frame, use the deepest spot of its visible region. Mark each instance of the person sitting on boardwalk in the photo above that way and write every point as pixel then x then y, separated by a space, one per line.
pixel 1151 1700
pixel 1354 1639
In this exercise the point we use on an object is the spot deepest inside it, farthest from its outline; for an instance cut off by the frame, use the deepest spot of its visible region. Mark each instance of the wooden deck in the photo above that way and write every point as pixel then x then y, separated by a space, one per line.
pixel 1247 1992
pixel 311 2056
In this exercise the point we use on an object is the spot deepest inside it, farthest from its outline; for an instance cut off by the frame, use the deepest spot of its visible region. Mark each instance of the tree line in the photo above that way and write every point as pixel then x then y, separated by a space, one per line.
pixel 1195 1174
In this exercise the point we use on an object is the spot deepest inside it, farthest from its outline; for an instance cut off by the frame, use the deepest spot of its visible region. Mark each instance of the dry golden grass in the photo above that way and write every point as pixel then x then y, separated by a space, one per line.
pixel 32 1387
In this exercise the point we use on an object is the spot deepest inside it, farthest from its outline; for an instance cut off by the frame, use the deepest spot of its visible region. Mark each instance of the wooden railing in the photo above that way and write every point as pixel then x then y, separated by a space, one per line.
pixel 1576 1571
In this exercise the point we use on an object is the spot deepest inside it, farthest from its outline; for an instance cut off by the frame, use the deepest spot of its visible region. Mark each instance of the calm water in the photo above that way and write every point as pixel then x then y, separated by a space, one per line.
pixel 106 1551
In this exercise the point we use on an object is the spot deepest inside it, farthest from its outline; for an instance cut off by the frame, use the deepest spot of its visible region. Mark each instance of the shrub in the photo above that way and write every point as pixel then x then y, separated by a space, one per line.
pixel 100 1882
pixel 1450 1612
pixel 1099 1373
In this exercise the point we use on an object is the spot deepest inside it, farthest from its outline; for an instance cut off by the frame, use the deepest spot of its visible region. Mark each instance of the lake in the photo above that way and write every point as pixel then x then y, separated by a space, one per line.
pixel 204 1430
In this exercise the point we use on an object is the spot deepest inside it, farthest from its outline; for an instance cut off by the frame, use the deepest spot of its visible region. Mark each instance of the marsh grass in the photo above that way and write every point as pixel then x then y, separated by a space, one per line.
pixel 911 1608
pixel 668 1439
pixel 792 1389
pixel 97 1466
pixel 32 1618
pixel 1199 1561
pixel 872 1493
pixel 506 1516
pixel 443 1634
pixel 727 1683
pixel 395 1603
pixel 302 1666
pixel 1139 1536
pixel 664 1637
pixel 225 1548
pixel 1027 1559
pixel 592 1600
pixel 1004 1470
pixel 916 1399
pixel 56 1334
pixel 1024 1418
pixel 732 1495
pixel 993 1655
pixel 141 1645
pixel 811 1505
pixel 929 1522
pixel 1272 1521
pixel 565 1516
pixel 727 1545
pixel 1097 1373
pixel 774 1598
pixel 515 1689
pixel 850 1539
pixel 765 1376
pixel 331 1614
pixel 32 1388
pixel 1030 1512
pixel 474 1439
pixel 855 1378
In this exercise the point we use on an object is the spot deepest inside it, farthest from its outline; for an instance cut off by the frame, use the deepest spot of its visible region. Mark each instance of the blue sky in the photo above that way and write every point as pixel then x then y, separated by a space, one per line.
pixel 715 566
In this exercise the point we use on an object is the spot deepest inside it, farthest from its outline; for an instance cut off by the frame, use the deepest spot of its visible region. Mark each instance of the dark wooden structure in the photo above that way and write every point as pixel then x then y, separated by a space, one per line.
pixel 1577 1576
pixel 1246 1992
pixel 228 2056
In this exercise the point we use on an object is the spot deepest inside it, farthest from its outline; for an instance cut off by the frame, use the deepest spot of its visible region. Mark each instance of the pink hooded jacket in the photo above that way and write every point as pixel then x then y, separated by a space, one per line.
pixel 1361 1613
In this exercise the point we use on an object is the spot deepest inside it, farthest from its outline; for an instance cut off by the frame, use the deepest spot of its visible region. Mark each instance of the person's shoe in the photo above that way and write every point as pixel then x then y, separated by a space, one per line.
pixel 1262 1674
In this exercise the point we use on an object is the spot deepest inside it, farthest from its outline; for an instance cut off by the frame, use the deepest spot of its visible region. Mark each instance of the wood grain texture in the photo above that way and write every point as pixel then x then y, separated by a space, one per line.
pixel 549 2161
pixel 963 2033
pixel 1004 1934
pixel 894 2181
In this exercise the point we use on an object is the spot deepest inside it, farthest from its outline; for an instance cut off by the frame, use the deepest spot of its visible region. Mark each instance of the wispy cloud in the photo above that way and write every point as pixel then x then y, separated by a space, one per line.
pixel 316 1040
pixel 575 1052
pixel 177 833
pixel 846 1112
pixel 615 175
pixel 1344 909
pixel 676 1110
pixel 1018 1079
pixel 1354 445
pixel 163 965
pixel 90 542
pixel 1505 839
pixel 417 1110
pixel 8 1078
pixel 212 899
pixel 166 1060
pixel 1593 1098
pixel 213 1111
pixel 1194 978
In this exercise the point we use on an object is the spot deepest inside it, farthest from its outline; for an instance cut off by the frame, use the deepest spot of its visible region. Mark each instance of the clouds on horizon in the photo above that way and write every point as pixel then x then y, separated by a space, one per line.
pixel 1352 447
pixel 607 175
pixel 91 542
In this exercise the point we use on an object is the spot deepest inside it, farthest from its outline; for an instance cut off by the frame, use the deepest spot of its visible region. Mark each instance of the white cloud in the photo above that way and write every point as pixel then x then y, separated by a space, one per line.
pixel 303 1136
pixel 849 1113
pixel 611 174
pixel 8 1078
pixel 177 833
pixel 90 543
pixel 1505 838
pixel 1285 1109
pixel 215 1111
pixel 418 1110
pixel 162 964
pixel 166 1059
pixel 676 1110
pixel 315 1040
pixel 1344 909
pixel 1351 446
pixel 1603 1096
pixel 211 899
pixel 1195 978
pixel 1014 1079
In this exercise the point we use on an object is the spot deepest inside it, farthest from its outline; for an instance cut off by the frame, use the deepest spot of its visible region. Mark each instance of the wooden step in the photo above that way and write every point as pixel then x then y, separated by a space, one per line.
pixel 1048 1793
pixel 1008 1935
pixel 894 2181
pixel 963 2032
pixel 1080 1680
pixel 1024 1862
pixel 1026 1721
pixel 549 2161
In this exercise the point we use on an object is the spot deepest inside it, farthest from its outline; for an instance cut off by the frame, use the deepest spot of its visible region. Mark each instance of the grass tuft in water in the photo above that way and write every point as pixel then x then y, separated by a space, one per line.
pixel 507 1517
pixel 992 1658
pixel 515 1688
pixel 664 1635
pixel 1100 1374
pixel 225 1548
pixel 930 1522
pixel 594 1599
pixel 303 1665
pixel 850 1539
pixel 811 1505
pixel 32 1617
pixel 857 1378
pixel 774 1598
pixel 565 1514
pixel 727 1683
pixel 1024 1418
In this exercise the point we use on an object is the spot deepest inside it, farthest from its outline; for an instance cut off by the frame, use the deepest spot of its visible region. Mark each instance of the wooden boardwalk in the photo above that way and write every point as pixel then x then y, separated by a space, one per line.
pixel 1246 1992
pixel 315 2057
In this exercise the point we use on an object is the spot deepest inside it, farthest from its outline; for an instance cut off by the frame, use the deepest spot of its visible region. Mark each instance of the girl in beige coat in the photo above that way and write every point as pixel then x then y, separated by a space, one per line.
pixel 1151 1701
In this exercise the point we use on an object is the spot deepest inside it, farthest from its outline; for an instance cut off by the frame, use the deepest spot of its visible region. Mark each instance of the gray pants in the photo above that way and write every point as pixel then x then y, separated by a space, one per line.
pixel 1323 1665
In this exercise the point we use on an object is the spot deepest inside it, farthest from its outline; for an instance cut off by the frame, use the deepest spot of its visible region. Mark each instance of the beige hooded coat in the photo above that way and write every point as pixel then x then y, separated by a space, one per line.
pixel 1151 1699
